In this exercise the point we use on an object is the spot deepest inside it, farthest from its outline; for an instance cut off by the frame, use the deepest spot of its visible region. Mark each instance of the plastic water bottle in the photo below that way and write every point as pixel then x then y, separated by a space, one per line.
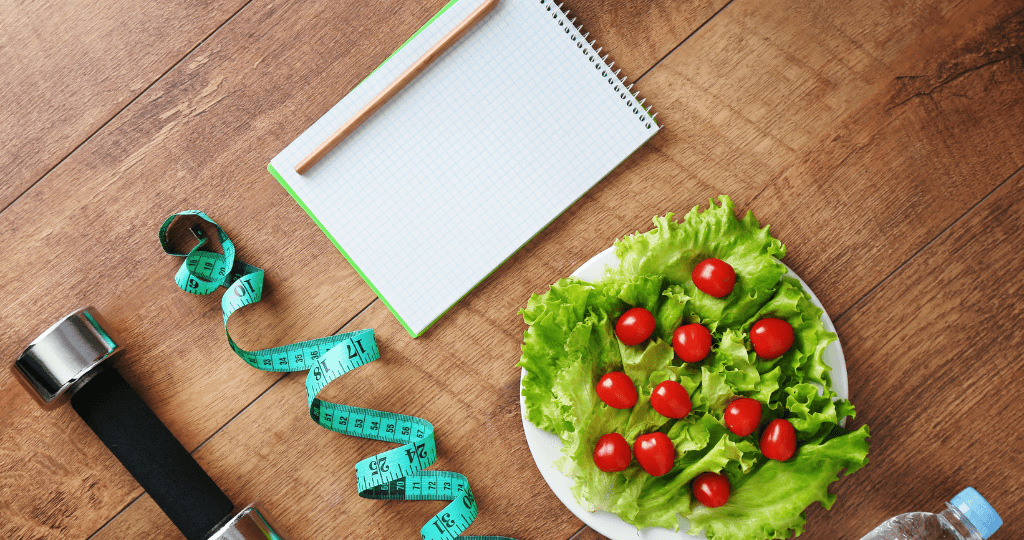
pixel 967 517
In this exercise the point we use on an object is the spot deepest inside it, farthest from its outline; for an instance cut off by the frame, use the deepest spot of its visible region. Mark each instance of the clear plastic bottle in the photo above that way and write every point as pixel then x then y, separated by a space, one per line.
pixel 967 517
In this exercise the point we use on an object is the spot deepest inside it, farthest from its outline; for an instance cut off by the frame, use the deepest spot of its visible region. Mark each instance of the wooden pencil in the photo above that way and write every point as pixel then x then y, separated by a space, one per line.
pixel 376 103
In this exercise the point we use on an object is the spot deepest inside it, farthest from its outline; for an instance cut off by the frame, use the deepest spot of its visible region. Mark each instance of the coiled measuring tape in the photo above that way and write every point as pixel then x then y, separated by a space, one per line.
pixel 395 474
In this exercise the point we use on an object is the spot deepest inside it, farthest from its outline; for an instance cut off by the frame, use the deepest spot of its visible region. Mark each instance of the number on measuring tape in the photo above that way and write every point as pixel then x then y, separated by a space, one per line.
pixel 396 474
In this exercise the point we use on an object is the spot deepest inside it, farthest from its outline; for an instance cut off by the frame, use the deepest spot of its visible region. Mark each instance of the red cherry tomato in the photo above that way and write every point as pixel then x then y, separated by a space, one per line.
pixel 634 326
pixel 691 342
pixel 778 440
pixel 711 489
pixel 715 277
pixel 671 399
pixel 616 389
pixel 655 453
pixel 771 338
pixel 612 453
pixel 742 416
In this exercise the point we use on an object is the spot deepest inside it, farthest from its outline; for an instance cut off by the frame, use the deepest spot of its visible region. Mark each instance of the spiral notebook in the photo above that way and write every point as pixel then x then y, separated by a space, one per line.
pixel 480 152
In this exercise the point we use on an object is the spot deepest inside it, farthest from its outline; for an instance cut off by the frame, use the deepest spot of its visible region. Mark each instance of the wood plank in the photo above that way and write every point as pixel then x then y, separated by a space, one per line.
pixel 200 138
pixel 638 34
pixel 803 111
pixel 67 67
pixel 467 360
pixel 941 389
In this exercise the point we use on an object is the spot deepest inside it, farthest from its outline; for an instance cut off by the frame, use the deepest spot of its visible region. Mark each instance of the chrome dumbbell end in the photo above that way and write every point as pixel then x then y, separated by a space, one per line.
pixel 249 524
pixel 68 354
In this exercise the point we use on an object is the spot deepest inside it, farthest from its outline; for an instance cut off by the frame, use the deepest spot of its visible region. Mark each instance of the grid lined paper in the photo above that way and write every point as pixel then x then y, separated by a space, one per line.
pixel 475 156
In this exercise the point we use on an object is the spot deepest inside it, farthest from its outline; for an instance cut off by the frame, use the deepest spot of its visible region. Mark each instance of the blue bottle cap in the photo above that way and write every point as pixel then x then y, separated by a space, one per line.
pixel 978 511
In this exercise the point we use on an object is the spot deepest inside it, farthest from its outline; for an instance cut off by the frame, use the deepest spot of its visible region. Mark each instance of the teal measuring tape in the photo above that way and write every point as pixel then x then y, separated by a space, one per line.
pixel 395 474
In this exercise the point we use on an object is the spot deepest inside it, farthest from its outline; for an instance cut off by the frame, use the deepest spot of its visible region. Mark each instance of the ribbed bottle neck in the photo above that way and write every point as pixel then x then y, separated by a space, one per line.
pixel 956 520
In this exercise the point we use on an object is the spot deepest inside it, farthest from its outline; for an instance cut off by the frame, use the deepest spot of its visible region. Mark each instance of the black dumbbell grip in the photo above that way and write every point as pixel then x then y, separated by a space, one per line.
pixel 141 442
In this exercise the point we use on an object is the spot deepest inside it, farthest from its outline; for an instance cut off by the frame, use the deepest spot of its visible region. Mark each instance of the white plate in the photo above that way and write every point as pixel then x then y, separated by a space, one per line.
pixel 546 447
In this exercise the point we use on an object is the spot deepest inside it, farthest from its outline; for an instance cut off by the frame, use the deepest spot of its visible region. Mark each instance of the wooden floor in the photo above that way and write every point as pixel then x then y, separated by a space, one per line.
pixel 883 140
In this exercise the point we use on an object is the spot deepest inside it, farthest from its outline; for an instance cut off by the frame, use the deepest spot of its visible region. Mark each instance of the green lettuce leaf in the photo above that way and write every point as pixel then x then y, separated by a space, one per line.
pixel 551 317
pixel 674 311
pixel 663 498
pixel 592 351
pixel 637 291
pixel 804 361
pixel 770 502
pixel 702 444
pixel 673 249
pixel 813 413
pixel 647 367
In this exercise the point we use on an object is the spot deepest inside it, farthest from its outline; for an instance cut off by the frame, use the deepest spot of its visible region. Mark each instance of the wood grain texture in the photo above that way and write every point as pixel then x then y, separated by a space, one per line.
pixel 638 34
pixel 773 103
pixel 86 233
pixel 860 132
pixel 934 360
pixel 200 138
pixel 67 67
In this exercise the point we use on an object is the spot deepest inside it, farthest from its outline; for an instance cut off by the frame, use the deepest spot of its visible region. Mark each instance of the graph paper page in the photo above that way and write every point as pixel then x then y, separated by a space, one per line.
pixel 462 167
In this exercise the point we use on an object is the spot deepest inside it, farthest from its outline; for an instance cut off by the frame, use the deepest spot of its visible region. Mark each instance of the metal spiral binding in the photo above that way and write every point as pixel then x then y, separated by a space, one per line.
pixel 601 63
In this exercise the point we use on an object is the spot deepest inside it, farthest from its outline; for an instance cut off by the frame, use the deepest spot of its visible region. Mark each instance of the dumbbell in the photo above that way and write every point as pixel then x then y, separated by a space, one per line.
pixel 71 357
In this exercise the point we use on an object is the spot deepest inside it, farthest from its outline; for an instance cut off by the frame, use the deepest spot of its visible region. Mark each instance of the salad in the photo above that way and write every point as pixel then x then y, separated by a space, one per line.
pixel 680 440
